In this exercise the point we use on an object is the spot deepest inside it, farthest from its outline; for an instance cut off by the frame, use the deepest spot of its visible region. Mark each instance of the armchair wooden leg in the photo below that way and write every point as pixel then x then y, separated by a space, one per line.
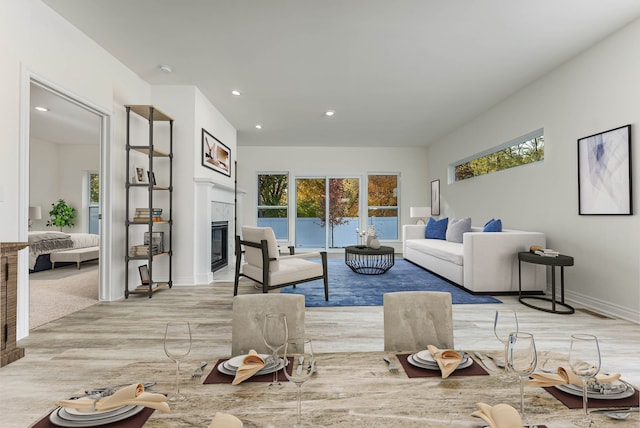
pixel 325 274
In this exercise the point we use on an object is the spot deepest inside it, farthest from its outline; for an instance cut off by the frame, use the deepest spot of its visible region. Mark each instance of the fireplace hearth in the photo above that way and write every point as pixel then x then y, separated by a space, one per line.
pixel 219 244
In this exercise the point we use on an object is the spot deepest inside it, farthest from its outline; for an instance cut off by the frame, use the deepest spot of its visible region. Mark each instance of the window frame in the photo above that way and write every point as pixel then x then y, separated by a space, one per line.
pixel 512 143
pixel 287 218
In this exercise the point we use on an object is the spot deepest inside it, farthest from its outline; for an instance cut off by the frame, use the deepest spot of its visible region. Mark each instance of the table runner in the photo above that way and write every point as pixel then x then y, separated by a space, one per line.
pixel 575 402
pixel 135 421
pixel 216 377
pixel 412 371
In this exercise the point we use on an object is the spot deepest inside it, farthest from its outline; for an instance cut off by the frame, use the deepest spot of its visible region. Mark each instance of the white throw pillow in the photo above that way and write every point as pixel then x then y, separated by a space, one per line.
pixel 456 228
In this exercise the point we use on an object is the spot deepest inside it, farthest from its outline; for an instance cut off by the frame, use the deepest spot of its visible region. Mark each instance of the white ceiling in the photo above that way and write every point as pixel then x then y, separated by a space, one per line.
pixel 64 123
pixel 397 72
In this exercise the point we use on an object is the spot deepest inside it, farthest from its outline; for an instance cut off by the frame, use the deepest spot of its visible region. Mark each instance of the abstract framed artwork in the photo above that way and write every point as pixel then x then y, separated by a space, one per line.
pixel 435 197
pixel 604 173
pixel 215 155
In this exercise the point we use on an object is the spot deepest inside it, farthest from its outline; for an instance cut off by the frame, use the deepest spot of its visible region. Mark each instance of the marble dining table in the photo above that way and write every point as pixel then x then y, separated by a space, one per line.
pixel 348 390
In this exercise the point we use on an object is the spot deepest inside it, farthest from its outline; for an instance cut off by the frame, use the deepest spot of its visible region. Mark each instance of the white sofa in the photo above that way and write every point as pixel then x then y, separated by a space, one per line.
pixel 485 262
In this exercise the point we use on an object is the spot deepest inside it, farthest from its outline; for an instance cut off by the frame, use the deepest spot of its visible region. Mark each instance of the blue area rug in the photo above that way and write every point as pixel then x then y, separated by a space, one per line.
pixel 347 288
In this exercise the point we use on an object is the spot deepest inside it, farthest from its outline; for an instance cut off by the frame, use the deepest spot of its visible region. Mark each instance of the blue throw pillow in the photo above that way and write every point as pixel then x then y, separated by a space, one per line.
pixel 437 229
pixel 493 225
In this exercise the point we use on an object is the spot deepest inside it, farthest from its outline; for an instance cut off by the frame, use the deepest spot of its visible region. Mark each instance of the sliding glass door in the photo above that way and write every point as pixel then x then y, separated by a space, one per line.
pixel 327 225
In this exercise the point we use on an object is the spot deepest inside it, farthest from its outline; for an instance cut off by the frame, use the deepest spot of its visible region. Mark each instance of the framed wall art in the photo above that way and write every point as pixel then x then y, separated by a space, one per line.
pixel 144 274
pixel 215 155
pixel 604 173
pixel 435 197
pixel 139 175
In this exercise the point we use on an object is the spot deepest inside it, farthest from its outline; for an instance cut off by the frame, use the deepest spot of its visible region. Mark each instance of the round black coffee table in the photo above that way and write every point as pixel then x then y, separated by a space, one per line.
pixel 367 261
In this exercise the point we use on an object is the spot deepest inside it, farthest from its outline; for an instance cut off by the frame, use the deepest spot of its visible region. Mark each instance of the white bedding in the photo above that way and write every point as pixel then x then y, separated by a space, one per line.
pixel 44 242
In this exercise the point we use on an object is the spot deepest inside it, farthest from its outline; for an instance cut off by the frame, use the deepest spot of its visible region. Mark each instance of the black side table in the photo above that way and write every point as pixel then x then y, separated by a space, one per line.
pixel 367 261
pixel 561 261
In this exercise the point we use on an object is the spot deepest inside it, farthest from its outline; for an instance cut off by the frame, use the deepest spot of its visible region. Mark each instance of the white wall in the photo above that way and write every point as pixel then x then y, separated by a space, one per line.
pixel 192 216
pixel 58 171
pixel 37 43
pixel 596 91
pixel 411 163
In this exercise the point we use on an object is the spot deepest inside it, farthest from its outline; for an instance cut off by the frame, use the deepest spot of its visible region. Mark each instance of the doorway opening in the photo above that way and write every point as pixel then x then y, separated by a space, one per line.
pixel 63 162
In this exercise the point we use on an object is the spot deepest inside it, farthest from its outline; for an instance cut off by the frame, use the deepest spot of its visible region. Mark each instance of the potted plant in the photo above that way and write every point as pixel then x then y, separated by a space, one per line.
pixel 62 215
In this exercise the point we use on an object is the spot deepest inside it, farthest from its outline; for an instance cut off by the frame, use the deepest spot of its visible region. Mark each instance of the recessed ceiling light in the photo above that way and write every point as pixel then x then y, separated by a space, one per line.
pixel 258 126
pixel 329 113
pixel 165 69
pixel 236 93
pixel 39 108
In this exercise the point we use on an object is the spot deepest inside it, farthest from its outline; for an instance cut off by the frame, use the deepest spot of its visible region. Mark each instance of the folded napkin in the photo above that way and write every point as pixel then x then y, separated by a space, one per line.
pixel 251 364
pixel 225 420
pixel 447 359
pixel 565 376
pixel 132 395
pixel 498 416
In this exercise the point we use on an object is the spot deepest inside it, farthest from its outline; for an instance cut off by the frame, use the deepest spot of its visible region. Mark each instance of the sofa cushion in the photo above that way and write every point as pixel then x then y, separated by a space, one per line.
pixel 444 250
pixel 456 228
pixel 493 225
pixel 437 229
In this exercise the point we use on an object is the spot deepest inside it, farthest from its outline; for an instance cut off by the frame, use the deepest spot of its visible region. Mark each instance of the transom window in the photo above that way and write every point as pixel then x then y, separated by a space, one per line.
pixel 521 151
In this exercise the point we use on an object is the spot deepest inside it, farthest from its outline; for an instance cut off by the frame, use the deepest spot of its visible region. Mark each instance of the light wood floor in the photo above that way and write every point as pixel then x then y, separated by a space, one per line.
pixel 63 357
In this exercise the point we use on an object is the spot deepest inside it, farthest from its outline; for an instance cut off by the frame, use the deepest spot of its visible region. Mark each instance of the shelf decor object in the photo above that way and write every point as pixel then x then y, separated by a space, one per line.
pixel 149 218
pixel 604 173
pixel 215 155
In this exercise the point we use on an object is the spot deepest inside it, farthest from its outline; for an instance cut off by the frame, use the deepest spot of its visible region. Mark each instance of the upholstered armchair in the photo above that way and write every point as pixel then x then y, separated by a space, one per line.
pixel 264 264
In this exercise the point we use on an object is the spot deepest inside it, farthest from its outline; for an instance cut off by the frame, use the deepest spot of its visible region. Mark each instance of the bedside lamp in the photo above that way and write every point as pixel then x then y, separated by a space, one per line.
pixel 35 213
pixel 420 213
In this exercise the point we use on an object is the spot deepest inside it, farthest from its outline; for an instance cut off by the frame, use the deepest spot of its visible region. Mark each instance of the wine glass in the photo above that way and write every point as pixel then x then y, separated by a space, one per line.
pixel 300 351
pixel 584 359
pixel 275 334
pixel 177 345
pixel 504 323
pixel 522 360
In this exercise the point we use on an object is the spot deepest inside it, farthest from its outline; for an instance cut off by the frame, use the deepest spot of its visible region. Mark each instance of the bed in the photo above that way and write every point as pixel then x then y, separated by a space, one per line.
pixel 43 243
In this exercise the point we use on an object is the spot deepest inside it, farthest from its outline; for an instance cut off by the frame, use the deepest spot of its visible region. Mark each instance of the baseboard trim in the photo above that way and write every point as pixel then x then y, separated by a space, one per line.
pixel 603 307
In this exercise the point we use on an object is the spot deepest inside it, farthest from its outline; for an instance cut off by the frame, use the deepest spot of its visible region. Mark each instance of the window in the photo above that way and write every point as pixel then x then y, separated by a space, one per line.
pixel 273 201
pixel 523 150
pixel 382 205
pixel 94 202
pixel 327 211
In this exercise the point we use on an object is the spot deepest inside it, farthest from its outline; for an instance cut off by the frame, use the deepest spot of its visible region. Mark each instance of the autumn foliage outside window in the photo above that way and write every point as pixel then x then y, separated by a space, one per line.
pixel 521 153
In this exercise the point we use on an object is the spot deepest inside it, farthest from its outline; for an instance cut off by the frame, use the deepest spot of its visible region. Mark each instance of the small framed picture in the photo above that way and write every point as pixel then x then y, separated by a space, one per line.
pixel 152 178
pixel 139 175
pixel 144 274
pixel 435 197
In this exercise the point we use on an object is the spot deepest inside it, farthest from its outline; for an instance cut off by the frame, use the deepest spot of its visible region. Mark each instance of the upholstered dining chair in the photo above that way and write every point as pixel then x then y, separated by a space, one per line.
pixel 415 319
pixel 264 264
pixel 248 315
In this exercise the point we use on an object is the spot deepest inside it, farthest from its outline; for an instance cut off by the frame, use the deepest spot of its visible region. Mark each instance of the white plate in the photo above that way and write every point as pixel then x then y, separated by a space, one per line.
pixel 225 369
pixel 425 356
pixel 434 366
pixel 58 420
pixel 72 414
pixel 236 362
pixel 577 391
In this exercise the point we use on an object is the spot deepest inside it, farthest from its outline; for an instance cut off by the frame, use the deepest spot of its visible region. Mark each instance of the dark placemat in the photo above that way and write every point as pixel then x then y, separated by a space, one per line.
pixel 216 377
pixel 412 371
pixel 135 421
pixel 575 402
